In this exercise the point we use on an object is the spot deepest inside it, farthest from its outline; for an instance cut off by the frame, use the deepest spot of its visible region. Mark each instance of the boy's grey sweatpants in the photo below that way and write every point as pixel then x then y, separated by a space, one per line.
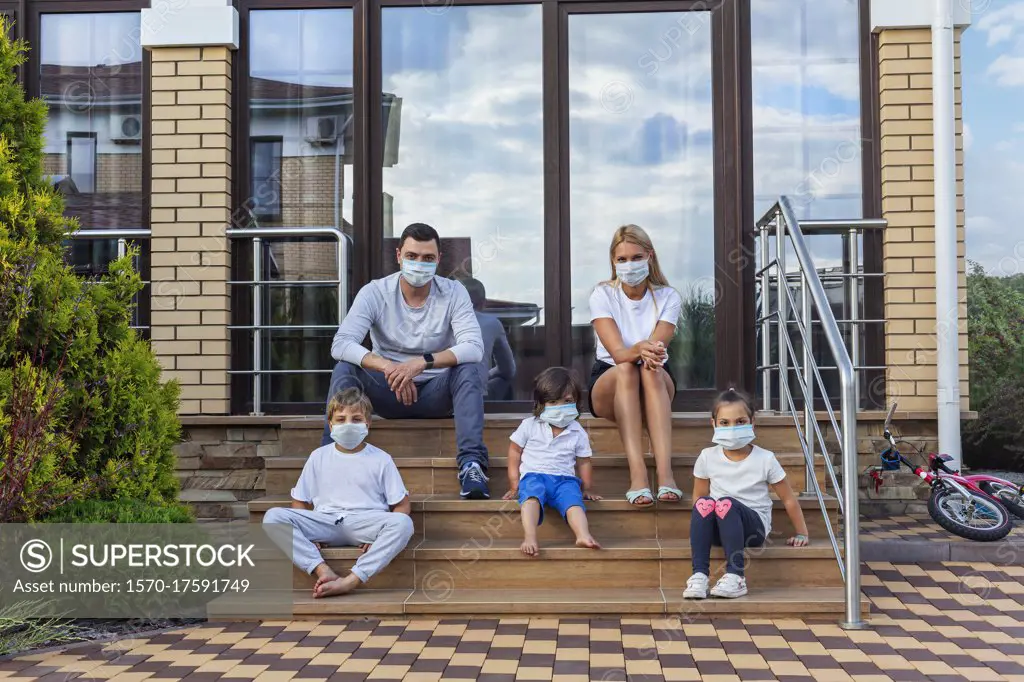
pixel 387 532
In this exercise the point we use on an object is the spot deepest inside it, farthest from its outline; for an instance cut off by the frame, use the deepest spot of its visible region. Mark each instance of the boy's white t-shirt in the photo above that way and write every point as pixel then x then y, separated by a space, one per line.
pixel 341 483
pixel 544 453
pixel 746 482
pixel 636 320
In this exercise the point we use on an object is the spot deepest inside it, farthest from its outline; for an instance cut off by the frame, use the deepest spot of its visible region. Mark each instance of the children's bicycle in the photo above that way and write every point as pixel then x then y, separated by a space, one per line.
pixel 973 507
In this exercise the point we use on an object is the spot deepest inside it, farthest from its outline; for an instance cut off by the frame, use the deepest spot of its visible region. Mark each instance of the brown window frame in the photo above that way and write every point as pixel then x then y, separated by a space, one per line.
pixel 734 200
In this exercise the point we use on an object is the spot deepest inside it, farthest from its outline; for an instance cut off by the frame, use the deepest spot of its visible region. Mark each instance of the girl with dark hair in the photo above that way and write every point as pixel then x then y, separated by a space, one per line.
pixel 549 460
pixel 732 507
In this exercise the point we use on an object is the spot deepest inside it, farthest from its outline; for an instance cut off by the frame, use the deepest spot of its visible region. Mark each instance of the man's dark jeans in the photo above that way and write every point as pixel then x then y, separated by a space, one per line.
pixel 458 390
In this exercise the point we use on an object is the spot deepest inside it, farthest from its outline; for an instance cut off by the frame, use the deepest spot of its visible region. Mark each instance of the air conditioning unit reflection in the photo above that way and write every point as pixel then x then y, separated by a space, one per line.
pixel 126 129
pixel 322 129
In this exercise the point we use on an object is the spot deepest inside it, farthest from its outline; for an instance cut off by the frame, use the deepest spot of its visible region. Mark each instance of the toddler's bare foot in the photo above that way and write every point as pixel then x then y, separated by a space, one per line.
pixel 588 542
pixel 338 586
pixel 529 547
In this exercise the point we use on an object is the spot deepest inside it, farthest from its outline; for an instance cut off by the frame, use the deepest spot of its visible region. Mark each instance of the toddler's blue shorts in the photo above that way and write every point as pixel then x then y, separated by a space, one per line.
pixel 559 492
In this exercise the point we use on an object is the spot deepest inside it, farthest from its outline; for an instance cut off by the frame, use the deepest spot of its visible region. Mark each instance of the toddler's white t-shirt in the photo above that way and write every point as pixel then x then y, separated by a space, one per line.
pixel 544 453
pixel 746 482
pixel 636 320
pixel 342 483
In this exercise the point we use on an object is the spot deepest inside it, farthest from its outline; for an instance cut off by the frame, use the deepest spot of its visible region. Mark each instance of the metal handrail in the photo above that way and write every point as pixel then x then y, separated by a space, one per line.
pixel 122 236
pixel 781 220
pixel 258 234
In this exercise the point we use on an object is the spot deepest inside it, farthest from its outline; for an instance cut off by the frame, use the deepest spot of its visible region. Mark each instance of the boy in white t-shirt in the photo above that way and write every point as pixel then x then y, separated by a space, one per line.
pixel 732 507
pixel 349 493
pixel 546 452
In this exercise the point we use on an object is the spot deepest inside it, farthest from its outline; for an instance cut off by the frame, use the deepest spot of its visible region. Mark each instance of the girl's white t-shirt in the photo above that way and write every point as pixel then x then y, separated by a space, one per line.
pixel 636 320
pixel 746 481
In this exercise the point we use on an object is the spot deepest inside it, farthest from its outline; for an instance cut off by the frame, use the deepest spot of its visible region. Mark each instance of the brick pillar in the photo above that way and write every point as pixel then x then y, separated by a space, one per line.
pixel 905 69
pixel 191 44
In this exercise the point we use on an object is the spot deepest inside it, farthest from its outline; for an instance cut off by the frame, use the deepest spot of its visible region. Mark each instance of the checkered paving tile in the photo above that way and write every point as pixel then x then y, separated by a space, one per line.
pixel 919 527
pixel 932 622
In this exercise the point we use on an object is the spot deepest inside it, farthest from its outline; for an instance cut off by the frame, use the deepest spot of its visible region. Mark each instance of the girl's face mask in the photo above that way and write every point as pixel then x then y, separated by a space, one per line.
pixel 734 437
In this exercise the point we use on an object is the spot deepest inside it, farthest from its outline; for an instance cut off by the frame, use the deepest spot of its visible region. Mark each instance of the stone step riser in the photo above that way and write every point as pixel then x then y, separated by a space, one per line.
pixel 439 576
pixel 440 442
pixel 608 481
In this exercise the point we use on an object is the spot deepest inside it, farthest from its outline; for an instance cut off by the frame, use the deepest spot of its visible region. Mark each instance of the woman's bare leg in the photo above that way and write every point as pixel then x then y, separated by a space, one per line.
pixel 658 392
pixel 615 398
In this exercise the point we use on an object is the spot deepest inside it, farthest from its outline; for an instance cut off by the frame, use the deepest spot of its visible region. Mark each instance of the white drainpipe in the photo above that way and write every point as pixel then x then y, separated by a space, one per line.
pixel 946 299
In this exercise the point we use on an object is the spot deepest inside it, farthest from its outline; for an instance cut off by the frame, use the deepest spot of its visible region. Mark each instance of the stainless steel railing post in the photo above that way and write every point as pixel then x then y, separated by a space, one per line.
pixel 782 324
pixel 766 325
pixel 853 283
pixel 808 340
pixel 257 332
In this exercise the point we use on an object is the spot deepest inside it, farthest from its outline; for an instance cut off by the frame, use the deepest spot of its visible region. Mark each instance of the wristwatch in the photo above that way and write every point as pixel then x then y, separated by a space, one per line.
pixel 430 360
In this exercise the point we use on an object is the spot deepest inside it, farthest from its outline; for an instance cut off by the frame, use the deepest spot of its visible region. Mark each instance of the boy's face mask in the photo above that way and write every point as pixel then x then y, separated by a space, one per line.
pixel 734 437
pixel 349 436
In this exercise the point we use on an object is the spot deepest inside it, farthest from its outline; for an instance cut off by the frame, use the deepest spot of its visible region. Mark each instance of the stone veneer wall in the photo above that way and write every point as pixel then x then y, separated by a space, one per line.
pixel 220 468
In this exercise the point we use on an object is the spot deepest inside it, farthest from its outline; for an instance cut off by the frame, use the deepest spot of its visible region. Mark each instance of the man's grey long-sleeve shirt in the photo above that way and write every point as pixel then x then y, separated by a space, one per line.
pixel 400 332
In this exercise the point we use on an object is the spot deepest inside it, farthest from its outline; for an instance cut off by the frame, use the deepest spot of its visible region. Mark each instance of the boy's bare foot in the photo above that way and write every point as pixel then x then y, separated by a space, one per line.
pixel 324 574
pixel 529 547
pixel 335 587
pixel 588 542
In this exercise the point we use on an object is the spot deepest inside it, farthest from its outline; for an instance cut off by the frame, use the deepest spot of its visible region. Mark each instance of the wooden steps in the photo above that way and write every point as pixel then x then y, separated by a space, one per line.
pixel 691 433
pixel 774 602
pixel 438 475
pixel 440 517
pixel 464 559
pixel 445 565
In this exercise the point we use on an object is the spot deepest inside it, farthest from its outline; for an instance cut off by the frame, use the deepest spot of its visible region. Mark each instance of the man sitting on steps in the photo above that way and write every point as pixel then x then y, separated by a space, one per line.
pixel 426 347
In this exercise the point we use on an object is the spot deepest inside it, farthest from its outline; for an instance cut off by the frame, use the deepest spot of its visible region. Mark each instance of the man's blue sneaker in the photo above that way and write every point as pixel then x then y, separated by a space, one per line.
pixel 474 482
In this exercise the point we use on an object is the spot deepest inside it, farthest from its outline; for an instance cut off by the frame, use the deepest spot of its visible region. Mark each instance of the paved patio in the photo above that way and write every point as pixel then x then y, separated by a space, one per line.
pixel 941 622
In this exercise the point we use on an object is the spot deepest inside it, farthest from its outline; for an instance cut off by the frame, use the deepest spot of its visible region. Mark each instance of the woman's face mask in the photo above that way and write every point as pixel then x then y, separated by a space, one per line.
pixel 632 272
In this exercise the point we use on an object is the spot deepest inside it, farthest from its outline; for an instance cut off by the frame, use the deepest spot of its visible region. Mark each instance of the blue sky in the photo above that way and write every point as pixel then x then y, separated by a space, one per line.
pixel 992 55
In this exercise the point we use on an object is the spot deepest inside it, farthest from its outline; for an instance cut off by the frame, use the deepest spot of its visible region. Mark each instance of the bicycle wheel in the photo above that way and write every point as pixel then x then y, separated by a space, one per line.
pixel 1008 495
pixel 978 517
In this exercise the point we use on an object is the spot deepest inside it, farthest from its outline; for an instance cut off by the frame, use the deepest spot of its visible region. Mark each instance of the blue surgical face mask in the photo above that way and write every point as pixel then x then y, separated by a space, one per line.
pixel 349 436
pixel 632 272
pixel 734 437
pixel 560 415
pixel 418 273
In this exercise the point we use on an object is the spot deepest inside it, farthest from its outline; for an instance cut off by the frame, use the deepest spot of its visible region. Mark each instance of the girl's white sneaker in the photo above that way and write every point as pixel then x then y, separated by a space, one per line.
pixel 696 587
pixel 730 586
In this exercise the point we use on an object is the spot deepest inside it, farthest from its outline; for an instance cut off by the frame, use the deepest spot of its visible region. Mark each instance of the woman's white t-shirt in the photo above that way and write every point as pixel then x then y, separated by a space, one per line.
pixel 746 481
pixel 636 320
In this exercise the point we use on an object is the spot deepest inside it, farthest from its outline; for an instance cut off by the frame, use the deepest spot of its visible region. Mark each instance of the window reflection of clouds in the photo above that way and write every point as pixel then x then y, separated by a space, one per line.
pixel 470 160
pixel 312 47
pixel 806 110
pixel 645 156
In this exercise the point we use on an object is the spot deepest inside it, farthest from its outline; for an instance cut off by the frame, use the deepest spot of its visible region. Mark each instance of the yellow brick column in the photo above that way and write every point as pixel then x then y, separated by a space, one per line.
pixel 191 45
pixel 905 69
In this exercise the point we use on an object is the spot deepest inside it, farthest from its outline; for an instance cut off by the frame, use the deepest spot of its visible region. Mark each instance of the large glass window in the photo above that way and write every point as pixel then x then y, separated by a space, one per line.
pixel 807 131
pixel 467 84
pixel 90 78
pixel 640 143
pixel 300 175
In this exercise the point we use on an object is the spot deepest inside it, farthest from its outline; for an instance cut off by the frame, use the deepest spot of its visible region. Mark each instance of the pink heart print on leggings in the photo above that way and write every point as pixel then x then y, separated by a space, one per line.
pixel 704 506
pixel 722 508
